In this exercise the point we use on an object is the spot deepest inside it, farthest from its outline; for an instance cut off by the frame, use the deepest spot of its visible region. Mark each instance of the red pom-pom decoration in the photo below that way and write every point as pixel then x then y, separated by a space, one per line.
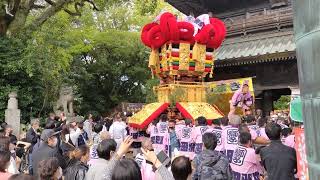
pixel 173 29
pixel 169 27
pixel 155 37
pixel 169 30
pixel 144 33
pixel 217 22
pixel 204 35
pixel 164 24
pixel 220 33
pixel 186 31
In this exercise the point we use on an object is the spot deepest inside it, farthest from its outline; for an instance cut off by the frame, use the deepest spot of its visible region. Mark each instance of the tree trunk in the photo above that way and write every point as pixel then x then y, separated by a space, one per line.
pixel 3 26
pixel 20 18
pixel 17 24
pixel 3 21
pixel 19 21
pixel 51 11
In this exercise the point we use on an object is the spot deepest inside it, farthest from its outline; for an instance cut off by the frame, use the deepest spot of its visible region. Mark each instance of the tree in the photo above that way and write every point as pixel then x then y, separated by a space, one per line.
pixel 98 53
pixel 14 14
pixel 151 96
pixel 282 103
pixel 34 68
pixel 14 76
pixel 113 71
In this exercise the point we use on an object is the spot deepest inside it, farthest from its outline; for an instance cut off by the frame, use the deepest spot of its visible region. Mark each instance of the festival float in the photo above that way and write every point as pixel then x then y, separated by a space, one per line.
pixel 182 55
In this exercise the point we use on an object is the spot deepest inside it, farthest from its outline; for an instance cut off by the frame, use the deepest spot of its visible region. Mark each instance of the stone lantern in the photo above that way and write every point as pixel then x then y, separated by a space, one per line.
pixel 12 113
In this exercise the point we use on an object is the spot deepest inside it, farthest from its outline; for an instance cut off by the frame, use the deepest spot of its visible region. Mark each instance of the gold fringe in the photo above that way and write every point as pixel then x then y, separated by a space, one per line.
pixel 154 60
pixel 211 73
pixel 184 56
pixel 164 60
pixel 212 66
pixel 152 74
pixel 169 59
pixel 199 56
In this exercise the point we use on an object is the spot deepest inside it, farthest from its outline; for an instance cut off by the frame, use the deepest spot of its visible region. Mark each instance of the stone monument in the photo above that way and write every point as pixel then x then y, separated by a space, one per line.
pixel 65 102
pixel 12 113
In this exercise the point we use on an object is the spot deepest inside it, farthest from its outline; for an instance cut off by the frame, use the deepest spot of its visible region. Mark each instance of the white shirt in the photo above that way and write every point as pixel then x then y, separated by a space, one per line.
pixel 87 126
pixel 202 20
pixel 12 166
pixel 139 159
pixel 74 134
pixel 118 130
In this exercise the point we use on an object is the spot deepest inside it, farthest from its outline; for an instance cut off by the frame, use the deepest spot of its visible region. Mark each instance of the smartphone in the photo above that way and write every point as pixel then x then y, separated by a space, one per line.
pixel 164 158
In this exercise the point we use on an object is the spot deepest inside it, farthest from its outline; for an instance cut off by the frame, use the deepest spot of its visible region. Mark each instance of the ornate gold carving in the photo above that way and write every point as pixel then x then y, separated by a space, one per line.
pixel 184 55
pixel 192 92
pixel 164 60
pixel 154 62
pixel 199 56
pixel 169 51
pixel 198 61
pixel 197 109
pixel 144 113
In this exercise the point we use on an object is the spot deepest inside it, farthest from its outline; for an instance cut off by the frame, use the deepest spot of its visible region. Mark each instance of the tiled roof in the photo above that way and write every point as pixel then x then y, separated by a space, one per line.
pixel 255 48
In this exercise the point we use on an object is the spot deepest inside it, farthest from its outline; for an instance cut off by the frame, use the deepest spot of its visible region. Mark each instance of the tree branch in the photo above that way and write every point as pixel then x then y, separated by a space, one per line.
pixel 15 6
pixel 37 6
pixel 77 13
pixel 94 6
pixel 78 5
pixel 52 10
pixel 50 2
pixel 23 7
pixel 21 10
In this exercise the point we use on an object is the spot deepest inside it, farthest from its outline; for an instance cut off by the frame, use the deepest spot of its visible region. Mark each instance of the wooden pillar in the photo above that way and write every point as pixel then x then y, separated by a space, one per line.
pixel 267 102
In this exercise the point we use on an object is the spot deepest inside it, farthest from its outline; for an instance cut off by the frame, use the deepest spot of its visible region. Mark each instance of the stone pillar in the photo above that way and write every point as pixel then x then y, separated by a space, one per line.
pixel 307 37
pixel 12 114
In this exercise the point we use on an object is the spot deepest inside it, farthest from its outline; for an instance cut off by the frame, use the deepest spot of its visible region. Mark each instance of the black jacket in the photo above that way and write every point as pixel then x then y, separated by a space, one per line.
pixel 211 165
pixel 58 124
pixel 44 152
pixel 32 138
pixel 76 170
pixel 279 160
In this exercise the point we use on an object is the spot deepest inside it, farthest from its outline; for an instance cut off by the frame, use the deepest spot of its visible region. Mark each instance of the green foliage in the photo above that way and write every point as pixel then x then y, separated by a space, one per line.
pixel 145 7
pixel 34 68
pixel 99 54
pixel 15 77
pixel 113 72
pixel 282 103
pixel 151 96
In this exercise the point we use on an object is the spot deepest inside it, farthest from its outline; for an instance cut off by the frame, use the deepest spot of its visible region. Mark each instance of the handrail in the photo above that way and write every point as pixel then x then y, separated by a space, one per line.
pixel 269 19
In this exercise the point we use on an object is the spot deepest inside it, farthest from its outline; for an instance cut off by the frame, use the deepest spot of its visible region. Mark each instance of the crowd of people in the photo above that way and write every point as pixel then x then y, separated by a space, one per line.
pixel 250 147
